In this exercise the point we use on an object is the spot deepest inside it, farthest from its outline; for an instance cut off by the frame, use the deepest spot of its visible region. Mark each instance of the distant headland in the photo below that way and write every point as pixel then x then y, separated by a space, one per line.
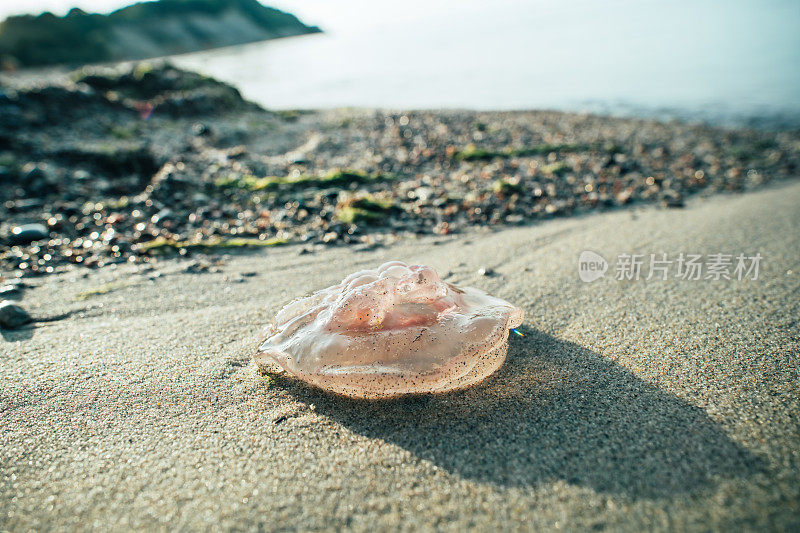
pixel 142 30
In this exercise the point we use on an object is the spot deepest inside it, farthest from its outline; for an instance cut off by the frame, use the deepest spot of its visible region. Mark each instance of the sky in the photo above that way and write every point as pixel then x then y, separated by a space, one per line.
pixel 15 7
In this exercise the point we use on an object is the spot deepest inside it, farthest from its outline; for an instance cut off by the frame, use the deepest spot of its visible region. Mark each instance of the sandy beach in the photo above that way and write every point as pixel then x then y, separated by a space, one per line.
pixel 660 404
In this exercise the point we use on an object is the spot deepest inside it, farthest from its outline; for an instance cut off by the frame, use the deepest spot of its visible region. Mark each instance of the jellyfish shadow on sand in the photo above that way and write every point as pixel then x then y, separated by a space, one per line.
pixel 554 411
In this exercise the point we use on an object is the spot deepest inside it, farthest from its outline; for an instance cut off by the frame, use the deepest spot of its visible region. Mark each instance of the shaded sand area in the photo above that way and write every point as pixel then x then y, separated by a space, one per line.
pixel 638 404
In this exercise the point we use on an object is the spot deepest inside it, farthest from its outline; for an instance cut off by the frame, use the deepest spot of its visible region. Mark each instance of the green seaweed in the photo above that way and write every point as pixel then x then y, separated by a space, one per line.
pixel 102 289
pixel 118 203
pixel 336 177
pixel 162 245
pixel 289 115
pixel 473 153
pixel 272 377
pixel 370 203
pixel 9 165
pixel 122 132
pixel 557 168
pixel 8 160
pixel 506 187
pixel 364 210
pixel 356 215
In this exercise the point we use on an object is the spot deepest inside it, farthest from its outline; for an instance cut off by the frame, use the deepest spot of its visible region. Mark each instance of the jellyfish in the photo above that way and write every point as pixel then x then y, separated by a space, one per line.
pixel 392 331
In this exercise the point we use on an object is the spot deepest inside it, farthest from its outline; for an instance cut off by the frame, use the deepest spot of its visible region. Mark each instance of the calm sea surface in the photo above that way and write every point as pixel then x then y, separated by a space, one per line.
pixel 718 60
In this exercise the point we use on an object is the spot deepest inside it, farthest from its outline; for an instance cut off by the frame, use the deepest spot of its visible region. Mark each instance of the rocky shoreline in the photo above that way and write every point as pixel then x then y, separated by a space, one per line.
pixel 122 166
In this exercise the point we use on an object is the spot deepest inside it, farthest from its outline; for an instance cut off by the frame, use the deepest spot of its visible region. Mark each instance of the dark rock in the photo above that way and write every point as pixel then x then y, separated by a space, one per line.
pixel 13 316
pixel 27 233
pixel 34 172
pixel 10 292
pixel 25 204
pixel 119 163
pixel 36 179
pixel 168 90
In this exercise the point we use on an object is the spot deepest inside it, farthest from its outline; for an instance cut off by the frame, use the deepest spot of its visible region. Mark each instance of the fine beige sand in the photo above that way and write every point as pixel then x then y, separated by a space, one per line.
pixel 627 405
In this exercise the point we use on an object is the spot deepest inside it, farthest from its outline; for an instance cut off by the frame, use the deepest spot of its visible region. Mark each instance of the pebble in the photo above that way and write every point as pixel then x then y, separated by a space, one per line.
pixel 624 197
pixel 101 214
pixel 28 233
pixel 197 267
pixel 13 316
pixel 200 129
pixel 672 199
pixel 485 272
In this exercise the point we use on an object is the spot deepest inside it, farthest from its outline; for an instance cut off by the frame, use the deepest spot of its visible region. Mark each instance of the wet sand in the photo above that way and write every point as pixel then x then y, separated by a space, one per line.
pixel 628 405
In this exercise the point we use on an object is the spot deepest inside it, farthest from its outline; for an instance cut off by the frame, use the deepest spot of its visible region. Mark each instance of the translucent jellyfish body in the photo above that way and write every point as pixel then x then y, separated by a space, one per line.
pixel 392 331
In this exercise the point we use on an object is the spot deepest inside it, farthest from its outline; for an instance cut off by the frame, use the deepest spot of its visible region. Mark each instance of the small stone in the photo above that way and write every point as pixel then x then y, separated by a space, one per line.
pixel 12 316
pixel 672 199
pixel 200 129
pixel 34 172
pixel 162 215
pixel 485 272
pixel 28 233
pixel 623 197
pixel 197 267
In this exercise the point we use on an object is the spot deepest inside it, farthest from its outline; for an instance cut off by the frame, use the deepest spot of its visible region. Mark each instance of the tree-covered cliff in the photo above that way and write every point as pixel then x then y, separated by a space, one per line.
pixel 145 29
